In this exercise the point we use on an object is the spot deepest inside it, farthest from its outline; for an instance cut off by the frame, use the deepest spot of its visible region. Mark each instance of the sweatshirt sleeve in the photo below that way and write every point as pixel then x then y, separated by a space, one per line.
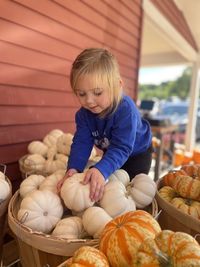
pixel 121 143
pixel 82 144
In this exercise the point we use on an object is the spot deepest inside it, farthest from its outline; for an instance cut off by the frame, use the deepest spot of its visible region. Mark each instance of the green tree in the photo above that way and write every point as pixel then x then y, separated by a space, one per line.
pixel 180 88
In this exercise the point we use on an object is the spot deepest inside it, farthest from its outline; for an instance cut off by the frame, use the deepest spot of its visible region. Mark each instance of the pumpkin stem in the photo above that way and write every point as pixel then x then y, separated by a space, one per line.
pixel 163 259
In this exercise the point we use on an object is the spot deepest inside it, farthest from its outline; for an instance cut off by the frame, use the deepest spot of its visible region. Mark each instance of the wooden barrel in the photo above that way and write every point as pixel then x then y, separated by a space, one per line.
pixel 174 219
pixel 3 217
pixel 38 249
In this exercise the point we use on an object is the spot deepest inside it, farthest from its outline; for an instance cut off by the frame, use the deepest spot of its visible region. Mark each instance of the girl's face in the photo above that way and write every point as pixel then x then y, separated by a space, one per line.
pixel 96 99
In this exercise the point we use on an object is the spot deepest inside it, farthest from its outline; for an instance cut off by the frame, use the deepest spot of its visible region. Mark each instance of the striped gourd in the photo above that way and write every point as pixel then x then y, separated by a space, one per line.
pixel 169 248
pixel 90 257
pixel 167 193
pixel 123 235
pixel 188 206
pixel 168 178
pixel 187 187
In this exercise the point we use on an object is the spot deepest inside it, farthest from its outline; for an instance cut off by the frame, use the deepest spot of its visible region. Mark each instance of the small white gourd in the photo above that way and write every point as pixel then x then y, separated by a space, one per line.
pixel 34 162
pixel 70 228
pixel 120 175
pixel 62 157
pixel 40 211
pixel 64 143
pixel 142 189
pixel 4 189
pixel 93 153
pixel 115 200
pixel 50 182
pixel 52 165
pixel 31 183
pixel 2 175
pixel 51 138
pixel 37 147
pixel 94 220
pixel 51 152
pixel 75 194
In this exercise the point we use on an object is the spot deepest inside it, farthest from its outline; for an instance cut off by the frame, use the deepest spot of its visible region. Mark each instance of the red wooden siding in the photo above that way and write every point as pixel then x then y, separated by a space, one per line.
pixel 39 40
pixel 169 9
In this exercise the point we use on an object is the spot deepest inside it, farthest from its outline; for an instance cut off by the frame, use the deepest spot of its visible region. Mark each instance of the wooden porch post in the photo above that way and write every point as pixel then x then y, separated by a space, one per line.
pixel 194 99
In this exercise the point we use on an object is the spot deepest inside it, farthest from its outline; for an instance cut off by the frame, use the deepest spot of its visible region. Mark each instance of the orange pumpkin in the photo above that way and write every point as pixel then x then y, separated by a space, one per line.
pixel 123 235
pixel 168 178
pixel 178 157
pixel 196 156
pixel 169 249
pixel 88 256
pixel 192 170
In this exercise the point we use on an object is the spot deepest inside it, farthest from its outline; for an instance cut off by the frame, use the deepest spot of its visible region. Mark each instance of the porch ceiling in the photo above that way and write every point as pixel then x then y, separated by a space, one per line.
pixel 160 46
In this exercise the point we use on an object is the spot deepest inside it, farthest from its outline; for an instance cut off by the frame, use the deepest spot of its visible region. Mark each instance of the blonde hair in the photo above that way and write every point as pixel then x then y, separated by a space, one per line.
pixel 103 68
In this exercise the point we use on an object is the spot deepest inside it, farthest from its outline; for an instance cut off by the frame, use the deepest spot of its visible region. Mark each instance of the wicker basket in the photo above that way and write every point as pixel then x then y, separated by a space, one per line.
pixel 37 249
pixel 173 219
pixel 3 216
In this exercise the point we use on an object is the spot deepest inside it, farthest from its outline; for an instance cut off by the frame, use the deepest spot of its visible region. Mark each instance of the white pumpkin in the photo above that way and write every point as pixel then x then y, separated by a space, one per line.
pixel 115 199
pixel 61 172
pixel 51 152
pixel 52 165
pixel 142 189
pixel 34 162
pixel 2 175
pixel 92 162
pixel 75 194
pixel 37 147
pixel 120 175
pixel 93 153
pixel 56 132
pixel 70 228
pixel 4 190
pixel 62 157
pixel 51 138
pixel 50 182
pixel 31 183
pixel 94 220
pixel 40 211
pixel 64 143
pixel 96 158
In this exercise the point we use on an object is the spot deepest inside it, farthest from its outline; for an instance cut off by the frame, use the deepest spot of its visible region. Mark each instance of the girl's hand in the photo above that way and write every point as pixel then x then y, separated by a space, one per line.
pixel 97 183
pixel 68 174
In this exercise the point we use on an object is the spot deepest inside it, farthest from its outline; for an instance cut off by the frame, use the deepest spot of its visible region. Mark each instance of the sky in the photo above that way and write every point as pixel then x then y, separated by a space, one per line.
pixel 160 74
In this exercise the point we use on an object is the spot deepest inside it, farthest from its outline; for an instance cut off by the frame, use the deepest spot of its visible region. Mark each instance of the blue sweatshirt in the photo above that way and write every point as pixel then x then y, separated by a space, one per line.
pixel 120 135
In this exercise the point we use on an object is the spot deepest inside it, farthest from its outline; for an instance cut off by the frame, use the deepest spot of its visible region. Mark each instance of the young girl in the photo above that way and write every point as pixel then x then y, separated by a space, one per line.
pixel 107 118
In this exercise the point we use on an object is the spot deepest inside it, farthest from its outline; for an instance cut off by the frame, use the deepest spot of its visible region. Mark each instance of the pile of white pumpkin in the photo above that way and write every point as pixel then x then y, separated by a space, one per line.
pixel 50 154
pixel 4 188
pixel 71 214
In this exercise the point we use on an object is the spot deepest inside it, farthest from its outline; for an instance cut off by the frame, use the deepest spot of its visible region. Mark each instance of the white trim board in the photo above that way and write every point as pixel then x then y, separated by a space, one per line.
pixel 168 31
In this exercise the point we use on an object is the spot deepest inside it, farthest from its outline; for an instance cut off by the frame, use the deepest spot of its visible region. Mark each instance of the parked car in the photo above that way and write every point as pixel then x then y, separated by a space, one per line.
pixel 177 113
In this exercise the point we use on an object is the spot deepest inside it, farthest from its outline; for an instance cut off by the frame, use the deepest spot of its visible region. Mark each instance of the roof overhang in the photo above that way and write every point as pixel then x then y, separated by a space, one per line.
pixel 162 44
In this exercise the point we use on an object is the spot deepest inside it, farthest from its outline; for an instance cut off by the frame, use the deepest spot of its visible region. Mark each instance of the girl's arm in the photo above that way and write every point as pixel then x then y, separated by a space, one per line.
pixel 97 183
